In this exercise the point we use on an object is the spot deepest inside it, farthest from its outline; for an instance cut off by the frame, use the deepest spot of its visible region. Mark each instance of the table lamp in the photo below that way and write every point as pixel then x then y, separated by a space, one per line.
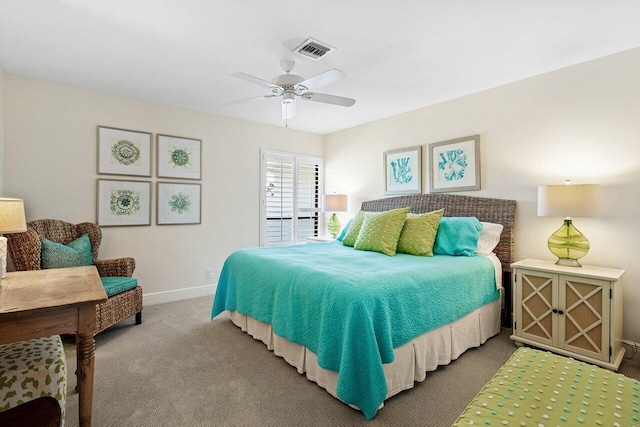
pixel 334 203
pixel 12 220
pixel 567 243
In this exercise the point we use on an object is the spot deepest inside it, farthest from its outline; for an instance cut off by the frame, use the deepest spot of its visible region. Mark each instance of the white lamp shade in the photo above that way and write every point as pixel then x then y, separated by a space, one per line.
pixel 335 202
pixel 12 219
pixel 569 200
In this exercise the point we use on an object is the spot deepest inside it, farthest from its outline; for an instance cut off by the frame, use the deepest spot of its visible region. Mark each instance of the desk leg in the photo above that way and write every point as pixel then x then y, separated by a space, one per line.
pixel 85 350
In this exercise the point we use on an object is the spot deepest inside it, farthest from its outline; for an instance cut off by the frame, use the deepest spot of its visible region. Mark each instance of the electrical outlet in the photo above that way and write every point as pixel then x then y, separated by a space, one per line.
pixel 209 273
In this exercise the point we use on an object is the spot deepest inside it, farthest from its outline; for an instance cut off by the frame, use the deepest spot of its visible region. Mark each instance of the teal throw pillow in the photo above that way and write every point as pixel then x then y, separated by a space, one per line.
pixel 344 230
pixel 73 254
pixel 457 236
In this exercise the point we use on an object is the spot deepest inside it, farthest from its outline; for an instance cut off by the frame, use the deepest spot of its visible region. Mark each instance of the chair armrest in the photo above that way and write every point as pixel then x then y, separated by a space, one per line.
pixel 24 250
pixel 115 267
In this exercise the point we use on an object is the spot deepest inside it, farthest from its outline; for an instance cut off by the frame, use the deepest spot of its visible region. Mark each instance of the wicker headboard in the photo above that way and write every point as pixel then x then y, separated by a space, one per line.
pixel 499 211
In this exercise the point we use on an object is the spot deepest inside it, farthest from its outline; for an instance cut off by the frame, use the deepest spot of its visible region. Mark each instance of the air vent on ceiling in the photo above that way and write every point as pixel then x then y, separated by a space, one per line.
pixel 313 49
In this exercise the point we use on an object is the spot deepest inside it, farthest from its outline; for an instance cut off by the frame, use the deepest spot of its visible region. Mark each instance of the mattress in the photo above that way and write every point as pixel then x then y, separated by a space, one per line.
pixel 353 309
pixel 539 388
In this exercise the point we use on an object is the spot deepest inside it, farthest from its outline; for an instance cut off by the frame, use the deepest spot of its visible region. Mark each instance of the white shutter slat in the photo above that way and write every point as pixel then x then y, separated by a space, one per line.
pixel 279 204
pixel 290 206
pixel 308 206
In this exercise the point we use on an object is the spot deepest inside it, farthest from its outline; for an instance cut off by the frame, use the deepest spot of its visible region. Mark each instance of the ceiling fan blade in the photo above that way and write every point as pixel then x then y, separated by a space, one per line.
pixel 255 80
pixel 328 99
pixel 323 79
pixel 288 110
pixel 242 101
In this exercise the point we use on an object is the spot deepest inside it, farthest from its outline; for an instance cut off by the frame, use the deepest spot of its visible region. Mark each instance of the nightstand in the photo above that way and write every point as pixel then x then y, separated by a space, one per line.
pixel 319 239
pixel 574 311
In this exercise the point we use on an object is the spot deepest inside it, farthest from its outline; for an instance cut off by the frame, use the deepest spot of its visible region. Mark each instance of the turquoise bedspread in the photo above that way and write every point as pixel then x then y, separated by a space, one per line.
pixel 352 308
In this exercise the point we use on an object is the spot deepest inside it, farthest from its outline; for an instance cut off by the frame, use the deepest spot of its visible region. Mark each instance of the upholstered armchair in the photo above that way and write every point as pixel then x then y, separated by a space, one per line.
pixel 25 251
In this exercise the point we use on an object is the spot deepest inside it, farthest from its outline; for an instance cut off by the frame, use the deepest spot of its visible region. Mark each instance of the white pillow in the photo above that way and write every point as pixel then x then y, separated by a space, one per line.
pixel 489 237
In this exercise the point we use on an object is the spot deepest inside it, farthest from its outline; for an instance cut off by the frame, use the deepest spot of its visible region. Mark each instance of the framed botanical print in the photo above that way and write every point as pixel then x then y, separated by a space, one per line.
pixel 402 171
pixel 455 165
pixel 179 157
pixel 124 152
pixel 178 203
pixel 123 203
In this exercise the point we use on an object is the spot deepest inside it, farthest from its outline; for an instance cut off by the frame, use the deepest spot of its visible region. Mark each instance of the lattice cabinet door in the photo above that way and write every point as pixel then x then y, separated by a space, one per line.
pixel 575 311
pixel 535 301
pixel 584 324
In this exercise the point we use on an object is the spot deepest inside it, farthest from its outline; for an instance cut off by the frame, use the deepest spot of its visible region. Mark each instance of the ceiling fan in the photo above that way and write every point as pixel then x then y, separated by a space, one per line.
pixel 289 86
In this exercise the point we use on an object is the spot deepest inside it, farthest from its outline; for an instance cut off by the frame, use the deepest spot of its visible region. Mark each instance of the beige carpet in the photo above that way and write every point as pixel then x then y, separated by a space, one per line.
pixel 180 369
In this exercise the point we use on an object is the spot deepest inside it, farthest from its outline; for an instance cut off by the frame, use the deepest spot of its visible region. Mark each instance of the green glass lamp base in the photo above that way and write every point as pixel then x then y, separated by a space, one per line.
pixel 568 244
pixel 568 262
pixel 334 226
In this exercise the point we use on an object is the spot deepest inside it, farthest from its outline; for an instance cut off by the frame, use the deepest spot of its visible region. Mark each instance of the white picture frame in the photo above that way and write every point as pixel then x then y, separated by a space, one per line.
pixel 455 165
pixel 403 171
pixel 123 203
pixel 178 203
pixel 179 157
pixel 124 152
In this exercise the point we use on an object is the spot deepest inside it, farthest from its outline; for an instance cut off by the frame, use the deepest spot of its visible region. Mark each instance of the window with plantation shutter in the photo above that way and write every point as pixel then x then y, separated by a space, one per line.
pixel 290 197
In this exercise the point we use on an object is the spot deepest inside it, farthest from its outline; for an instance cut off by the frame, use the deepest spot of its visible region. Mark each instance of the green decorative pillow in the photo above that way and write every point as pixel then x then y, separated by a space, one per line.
pixel 419 233
pixel 381 230
pixel 73 254
pixel 351 235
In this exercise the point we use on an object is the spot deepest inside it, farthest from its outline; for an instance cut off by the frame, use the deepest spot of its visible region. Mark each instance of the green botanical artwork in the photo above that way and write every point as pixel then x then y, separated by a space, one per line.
pixel 179 157
pixel 180 203
pixel 125 152
pixel 125 202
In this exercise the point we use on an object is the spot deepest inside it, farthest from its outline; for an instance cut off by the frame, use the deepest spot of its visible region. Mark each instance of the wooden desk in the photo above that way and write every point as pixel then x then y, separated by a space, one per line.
pixel 42 303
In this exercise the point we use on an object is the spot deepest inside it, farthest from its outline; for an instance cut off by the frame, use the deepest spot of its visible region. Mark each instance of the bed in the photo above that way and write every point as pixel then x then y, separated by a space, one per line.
pixel 359 323
pixel 536 387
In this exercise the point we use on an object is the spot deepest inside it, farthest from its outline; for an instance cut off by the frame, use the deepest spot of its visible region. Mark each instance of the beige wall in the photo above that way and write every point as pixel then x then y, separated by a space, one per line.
pixel 51 162
pixel 581 123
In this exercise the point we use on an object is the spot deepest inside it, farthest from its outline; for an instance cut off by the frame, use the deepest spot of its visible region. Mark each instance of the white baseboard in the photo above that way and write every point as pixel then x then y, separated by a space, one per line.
pixel 179 294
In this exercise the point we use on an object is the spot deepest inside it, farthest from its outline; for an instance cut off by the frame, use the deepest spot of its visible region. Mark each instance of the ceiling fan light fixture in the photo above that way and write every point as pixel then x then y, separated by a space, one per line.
pixel 288 97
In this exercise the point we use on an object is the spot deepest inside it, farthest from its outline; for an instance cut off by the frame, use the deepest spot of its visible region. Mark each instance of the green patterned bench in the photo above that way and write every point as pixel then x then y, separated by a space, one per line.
pixel 538 388
pixel 32 369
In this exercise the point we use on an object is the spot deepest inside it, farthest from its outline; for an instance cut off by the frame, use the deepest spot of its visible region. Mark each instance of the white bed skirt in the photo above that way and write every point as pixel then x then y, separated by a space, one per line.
pixel 412 360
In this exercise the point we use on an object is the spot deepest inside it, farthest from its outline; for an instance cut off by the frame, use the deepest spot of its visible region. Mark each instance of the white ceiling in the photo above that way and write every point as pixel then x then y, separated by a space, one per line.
pixel 398 55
